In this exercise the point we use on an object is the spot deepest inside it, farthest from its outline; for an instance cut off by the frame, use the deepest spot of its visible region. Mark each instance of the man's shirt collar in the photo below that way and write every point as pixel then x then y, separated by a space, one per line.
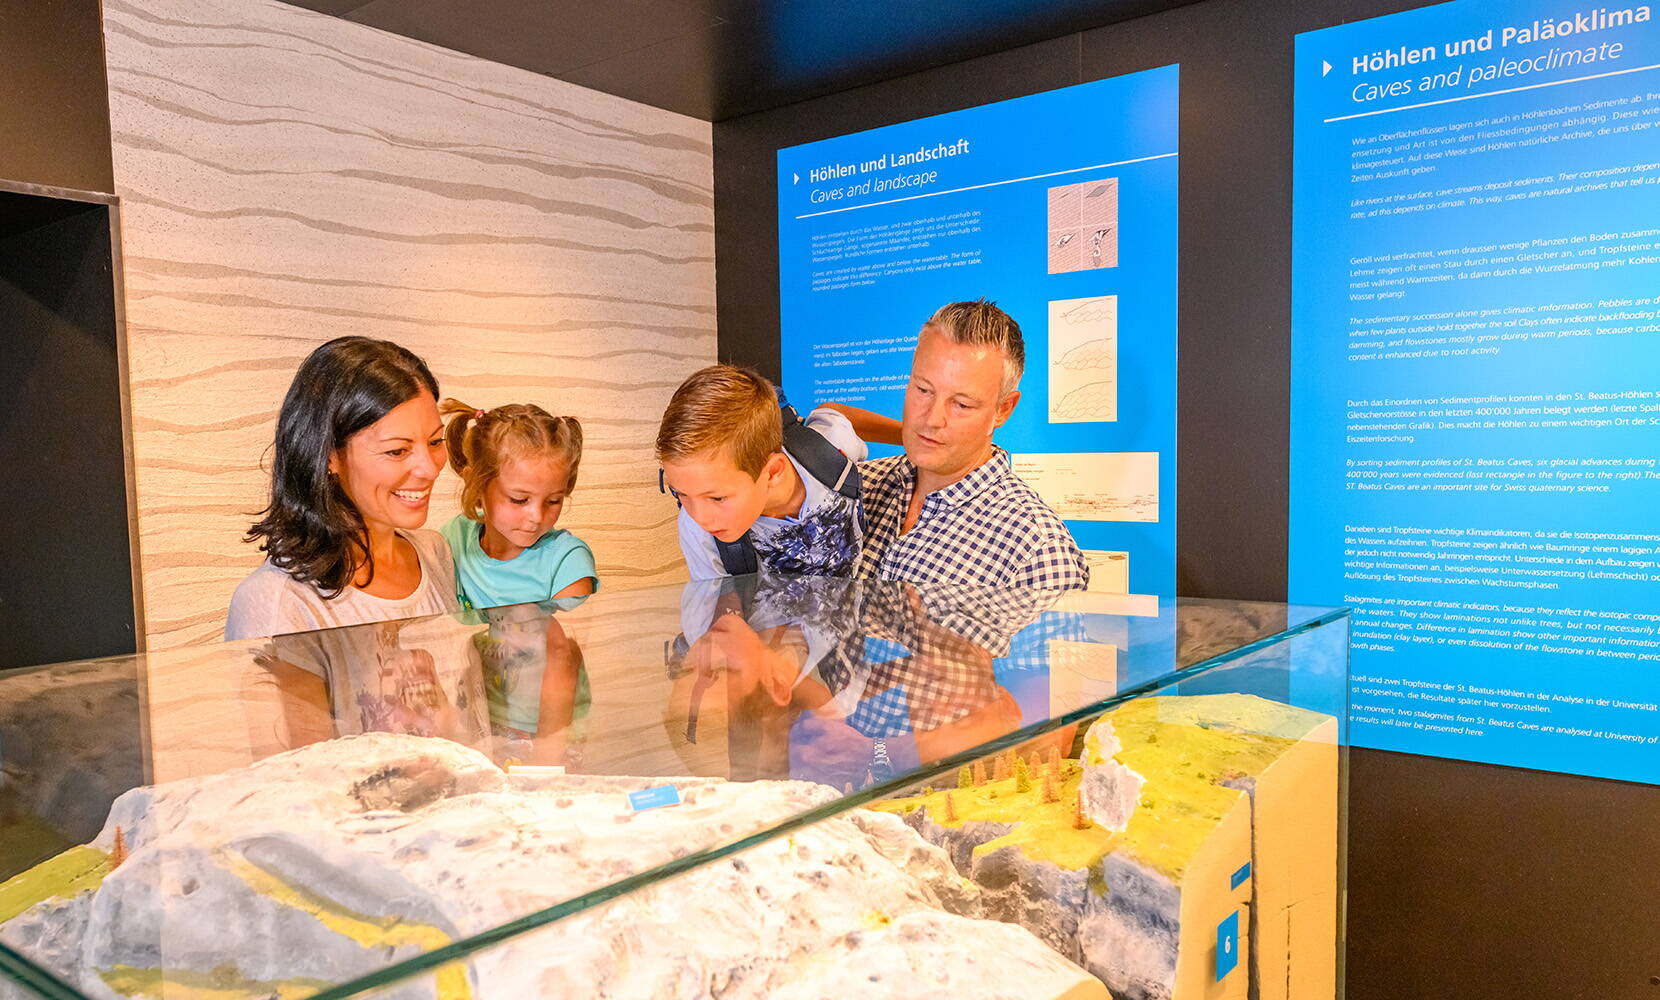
pixel 902 479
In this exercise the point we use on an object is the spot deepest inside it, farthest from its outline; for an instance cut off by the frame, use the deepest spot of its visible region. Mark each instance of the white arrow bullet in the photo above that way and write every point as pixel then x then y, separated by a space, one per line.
pixel 1325 67
pixel 797 178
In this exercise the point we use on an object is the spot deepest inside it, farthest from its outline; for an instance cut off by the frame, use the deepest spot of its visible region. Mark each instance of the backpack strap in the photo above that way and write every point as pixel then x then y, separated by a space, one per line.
pixel 738 558
pixel 822 460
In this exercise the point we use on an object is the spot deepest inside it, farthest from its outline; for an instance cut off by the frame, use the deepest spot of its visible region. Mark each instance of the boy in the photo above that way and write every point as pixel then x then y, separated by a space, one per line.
pixel 758 487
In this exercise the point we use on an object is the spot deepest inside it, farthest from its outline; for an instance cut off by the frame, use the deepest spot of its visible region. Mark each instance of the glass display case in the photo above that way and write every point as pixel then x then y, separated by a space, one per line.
pixel 742 788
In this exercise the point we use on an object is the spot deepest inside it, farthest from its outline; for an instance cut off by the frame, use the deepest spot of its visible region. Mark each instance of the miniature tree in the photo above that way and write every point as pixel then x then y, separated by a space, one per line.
pixel 950 808
pixel 965 777
pixel 1049 792
pixel 927 790
pixel 1055 757
pixel 847 789
pixel 118 853
pixel 1000 768
pixel 1022 776
pixel 1080 819
pixel 979 772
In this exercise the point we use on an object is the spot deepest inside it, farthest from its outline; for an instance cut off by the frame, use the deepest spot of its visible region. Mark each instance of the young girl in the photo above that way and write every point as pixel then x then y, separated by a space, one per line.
pixel 518 466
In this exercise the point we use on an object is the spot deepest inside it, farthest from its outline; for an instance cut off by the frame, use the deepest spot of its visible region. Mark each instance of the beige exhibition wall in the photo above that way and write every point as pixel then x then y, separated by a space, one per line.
pixel 287 177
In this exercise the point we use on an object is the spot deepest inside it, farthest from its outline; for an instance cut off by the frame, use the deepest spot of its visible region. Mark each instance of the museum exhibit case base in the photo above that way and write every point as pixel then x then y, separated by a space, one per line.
pixel 750 788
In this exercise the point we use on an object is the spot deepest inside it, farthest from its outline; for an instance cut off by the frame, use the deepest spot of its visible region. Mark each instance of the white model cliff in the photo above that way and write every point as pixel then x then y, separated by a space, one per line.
pixel 326 863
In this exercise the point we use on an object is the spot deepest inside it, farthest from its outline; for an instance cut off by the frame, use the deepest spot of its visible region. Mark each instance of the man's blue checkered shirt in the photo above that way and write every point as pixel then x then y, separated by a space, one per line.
pixel 988 528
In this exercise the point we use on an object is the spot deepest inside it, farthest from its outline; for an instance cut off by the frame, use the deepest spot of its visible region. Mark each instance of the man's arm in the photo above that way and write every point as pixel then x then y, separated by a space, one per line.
pixel 869 425
pixel 1052 560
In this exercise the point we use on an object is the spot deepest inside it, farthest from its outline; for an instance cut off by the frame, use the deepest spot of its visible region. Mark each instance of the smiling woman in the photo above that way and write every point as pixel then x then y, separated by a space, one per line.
pixel 359 444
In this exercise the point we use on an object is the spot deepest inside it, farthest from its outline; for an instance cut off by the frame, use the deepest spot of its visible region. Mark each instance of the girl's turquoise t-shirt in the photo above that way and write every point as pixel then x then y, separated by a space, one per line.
pixel 557 560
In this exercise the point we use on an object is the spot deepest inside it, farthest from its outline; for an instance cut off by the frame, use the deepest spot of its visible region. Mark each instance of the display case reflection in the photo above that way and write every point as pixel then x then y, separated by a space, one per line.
pixel 508 681
pixel 849 682
pixel 885 773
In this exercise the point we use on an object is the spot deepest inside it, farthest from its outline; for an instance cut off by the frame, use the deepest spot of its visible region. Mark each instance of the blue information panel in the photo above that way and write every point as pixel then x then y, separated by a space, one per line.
pixel 1476 377
pixel 1060 207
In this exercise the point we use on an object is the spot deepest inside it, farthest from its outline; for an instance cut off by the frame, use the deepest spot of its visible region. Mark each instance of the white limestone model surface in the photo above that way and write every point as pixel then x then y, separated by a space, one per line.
pixel 332 861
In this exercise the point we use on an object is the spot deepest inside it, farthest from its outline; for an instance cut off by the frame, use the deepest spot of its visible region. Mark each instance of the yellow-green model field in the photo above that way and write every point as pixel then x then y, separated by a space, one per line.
pixel 221 984
pixel 77 870
pixel 1176 744
pixel 83 869
pixel 1044 831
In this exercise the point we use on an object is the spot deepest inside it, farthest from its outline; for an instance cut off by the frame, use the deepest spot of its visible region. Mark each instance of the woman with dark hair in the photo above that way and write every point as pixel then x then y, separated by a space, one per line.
pixel 359 444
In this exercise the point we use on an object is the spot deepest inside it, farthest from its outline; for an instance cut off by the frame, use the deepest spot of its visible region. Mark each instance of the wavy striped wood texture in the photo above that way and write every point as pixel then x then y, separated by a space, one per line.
pixel 287 177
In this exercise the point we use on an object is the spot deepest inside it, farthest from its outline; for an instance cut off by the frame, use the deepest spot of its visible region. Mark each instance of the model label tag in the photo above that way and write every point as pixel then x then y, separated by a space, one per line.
pixel 1240 876
pixel 1227 945
pixel 654 798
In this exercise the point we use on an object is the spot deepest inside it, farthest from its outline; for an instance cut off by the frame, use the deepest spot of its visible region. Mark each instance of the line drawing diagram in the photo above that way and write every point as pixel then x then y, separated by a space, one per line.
pixel 1141 506
pixel 1095 486
pixel 1083 360
pixel 1109 572
pixel 1083 226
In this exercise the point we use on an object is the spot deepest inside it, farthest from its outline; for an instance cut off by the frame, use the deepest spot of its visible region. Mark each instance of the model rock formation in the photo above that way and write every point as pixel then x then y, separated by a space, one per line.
pixel 69 744
pixel 326 863
pixel 1150 841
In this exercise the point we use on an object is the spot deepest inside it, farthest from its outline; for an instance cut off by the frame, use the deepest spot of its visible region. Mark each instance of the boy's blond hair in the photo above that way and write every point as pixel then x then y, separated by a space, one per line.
pixel 723 410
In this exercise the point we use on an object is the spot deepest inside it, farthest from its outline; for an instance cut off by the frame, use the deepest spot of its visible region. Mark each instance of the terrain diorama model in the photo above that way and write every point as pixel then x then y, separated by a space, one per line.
pixel 1183 817
pixel 329 862
pixel 69 744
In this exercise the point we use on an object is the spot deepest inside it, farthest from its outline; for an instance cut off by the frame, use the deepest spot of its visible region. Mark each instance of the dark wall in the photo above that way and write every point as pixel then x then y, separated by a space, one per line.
pixel 66 574
pixel 54 119
pixel 1473 881
pixel 1466 880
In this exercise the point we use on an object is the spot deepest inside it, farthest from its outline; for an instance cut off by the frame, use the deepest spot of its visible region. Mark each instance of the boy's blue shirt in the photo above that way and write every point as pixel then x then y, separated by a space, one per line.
pixel 557 560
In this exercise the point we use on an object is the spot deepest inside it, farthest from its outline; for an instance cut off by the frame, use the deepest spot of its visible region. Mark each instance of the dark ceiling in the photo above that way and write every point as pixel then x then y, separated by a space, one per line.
pixel 717 59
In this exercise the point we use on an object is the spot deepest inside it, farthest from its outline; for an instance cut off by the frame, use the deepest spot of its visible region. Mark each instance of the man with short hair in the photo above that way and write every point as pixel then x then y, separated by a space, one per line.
pixel 951 510
pixel 987 553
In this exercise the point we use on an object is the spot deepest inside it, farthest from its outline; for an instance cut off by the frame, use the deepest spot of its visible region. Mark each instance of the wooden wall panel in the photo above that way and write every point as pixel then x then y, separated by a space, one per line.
pixel 288 177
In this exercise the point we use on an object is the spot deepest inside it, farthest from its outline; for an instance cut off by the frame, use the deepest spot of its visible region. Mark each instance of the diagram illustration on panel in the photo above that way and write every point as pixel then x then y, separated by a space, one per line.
pixel 1083 226
pixel 1083 360
pixel 1095 486
pixel 1109 572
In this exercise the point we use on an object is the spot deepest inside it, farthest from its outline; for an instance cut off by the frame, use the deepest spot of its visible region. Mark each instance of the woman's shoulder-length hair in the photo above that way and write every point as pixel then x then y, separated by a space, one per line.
pixel 311 529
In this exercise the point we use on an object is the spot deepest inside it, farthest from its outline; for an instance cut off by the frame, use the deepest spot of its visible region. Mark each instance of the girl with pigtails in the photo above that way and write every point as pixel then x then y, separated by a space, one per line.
pixel 518 466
